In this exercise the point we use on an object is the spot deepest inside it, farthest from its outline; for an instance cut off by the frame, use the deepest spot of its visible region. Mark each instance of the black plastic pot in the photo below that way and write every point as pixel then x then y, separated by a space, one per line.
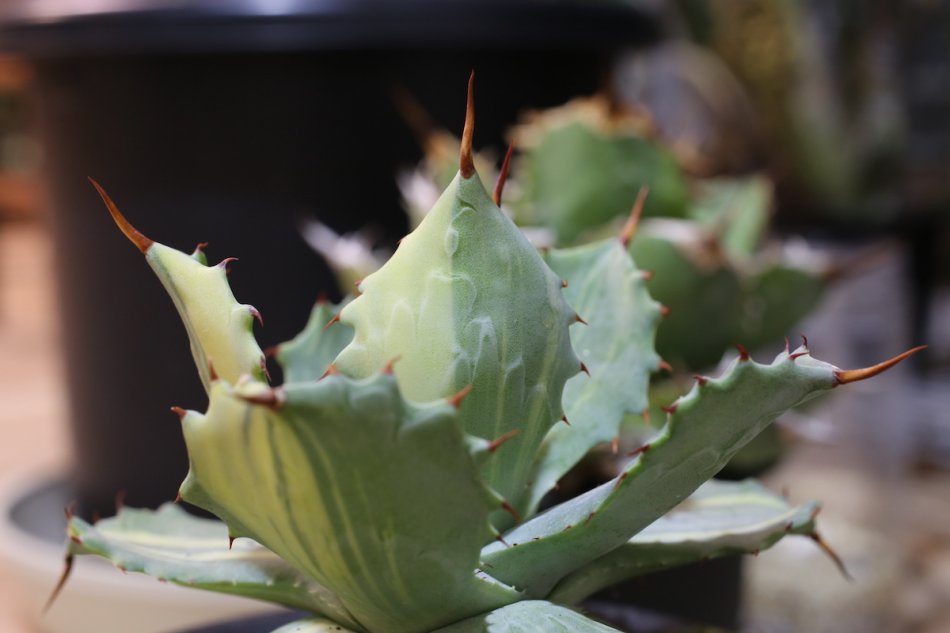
pixel 230 125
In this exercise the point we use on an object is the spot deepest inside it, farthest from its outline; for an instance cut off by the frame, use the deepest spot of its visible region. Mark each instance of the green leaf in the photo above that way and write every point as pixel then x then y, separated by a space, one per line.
pixel 692 279
pixel 170 544
pixel 737 209
pixel 312 625
pixel 467 301
pixel 308 355
pixel 616 346
pixel 219 328
pixel 709 424
pixel 376 498
pixel 774 300
pixel 581 168
pixel 721 518
pixel 530 616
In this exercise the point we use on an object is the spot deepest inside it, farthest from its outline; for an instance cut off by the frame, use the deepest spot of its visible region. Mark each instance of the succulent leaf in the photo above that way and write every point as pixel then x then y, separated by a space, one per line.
pixel 737 209
pixel 220 329
pixel 308 355
pixel 774 299
pixel 583 165
pixel 616 347
pixel 377 499
pixel 530 616
pixel 704 430
pixel 721 518
pixel 694 280
pixel 466 300
pixel 170 544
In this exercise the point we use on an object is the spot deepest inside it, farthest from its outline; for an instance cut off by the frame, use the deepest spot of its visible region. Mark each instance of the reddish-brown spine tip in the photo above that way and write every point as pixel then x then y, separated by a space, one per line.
pixel 256 314
pixel 272 351
pixel 584 368
pixel 564 283
pixel 665 311
pixel 743 352
pixel 565 420
pixel 844 376
pixel 498 441
pixel 331 371
pixel 630 228
pixel 181 413
pixel 179 498
pixel 212 374
pixel 230 542
pixel 645 414
pixel 200 246
pixel 466 160
pixel 578 319
pixel 335 319
pixel 615 445
pixel 510 510
pixel 792 357
pixel 671 408
pixel 501 539
pixel 804 341
pixel 67 570
pixel 620 479
pixel 225 263
pixel 833 555
pixel 456 400
pixel 502 176
pixel 388 367
pixel 700 380
pixel 141 242
pixel 639 451
pixel 664 366
pixel 647 275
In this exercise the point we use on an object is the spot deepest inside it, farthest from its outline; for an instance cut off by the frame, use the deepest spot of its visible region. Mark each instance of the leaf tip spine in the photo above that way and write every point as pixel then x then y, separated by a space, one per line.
pixel 466 160
pixel 845 376
pixel 141 242
pixel 630 227
pixel 502 176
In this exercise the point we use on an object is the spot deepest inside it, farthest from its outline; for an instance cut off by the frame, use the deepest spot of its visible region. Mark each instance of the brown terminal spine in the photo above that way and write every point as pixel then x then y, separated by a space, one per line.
pixel 502 176
pixel 844 376
pixel 466 160
pixel 141 242
pixel 630 228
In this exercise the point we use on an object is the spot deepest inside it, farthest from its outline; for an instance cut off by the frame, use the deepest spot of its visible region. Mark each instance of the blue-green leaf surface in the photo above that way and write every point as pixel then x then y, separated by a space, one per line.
pixel 467 301
pixel 616 346
pixel 530 616
pixel 709 425
pixel 376 498
pixel 721 518
pixel 308 355
pixel 170 544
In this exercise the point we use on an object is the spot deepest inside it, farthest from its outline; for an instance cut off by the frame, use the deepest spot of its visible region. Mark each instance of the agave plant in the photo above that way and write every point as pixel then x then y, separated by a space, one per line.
pixel 391 484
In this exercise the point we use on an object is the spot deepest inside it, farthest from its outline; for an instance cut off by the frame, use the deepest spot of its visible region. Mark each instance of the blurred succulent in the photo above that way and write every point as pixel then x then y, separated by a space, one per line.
pixel 395 489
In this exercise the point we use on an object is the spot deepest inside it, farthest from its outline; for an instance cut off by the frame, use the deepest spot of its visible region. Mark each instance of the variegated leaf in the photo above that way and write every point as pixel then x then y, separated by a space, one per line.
pixel 376 498
pixel 721 518
pixel 467 301
pixel 219 328
pixel 707 426
pixel 530 616
pixel 170 544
